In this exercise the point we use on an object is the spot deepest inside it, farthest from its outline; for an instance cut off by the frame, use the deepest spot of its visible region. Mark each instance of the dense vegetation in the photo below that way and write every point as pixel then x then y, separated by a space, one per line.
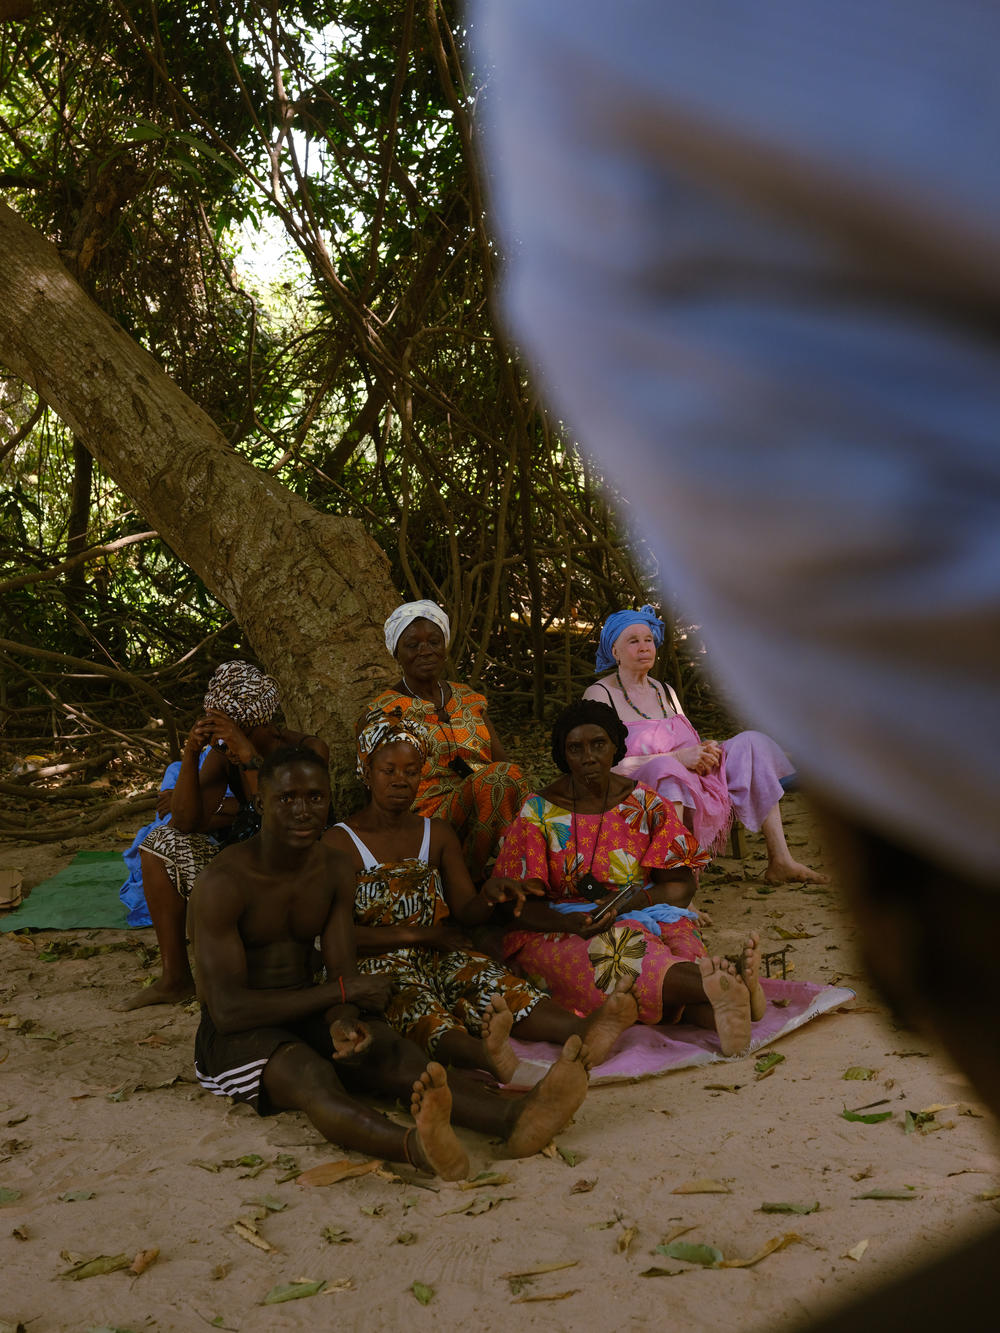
pixel 370 378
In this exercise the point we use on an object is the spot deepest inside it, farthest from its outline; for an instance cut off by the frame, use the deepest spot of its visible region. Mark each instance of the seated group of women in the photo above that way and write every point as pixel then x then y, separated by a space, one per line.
pixel 594 877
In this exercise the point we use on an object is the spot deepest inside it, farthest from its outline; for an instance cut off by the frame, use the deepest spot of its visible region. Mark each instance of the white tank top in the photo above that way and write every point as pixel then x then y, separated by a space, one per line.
pixel 370 862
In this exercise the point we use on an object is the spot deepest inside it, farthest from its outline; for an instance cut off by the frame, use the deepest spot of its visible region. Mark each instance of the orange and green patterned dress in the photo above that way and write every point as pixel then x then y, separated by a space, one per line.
pixel 479 805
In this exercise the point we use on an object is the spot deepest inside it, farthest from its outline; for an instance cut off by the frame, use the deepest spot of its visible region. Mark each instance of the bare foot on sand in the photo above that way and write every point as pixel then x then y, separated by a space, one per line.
pixel 787 871
pixel 607 1023
pixel 437 1148
pixel 160 992
pixel 749 970
pixel 497 1023
pixel 550 1103
pixel 730 1001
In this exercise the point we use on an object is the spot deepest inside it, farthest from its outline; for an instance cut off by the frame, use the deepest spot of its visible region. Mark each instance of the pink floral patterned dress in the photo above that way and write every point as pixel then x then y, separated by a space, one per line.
pixel 549 843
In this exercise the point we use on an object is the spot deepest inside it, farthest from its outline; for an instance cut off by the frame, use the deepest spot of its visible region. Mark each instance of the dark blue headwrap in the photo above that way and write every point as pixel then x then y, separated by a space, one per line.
pixel 616 624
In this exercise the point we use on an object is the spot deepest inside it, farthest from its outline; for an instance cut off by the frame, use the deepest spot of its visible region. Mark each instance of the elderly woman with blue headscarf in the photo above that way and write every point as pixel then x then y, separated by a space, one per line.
pixel 468 779
pixel 712 782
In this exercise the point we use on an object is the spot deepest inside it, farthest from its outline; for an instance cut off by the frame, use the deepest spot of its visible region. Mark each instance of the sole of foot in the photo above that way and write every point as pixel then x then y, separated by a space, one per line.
pixel 430 1106
pixel 551 1103
pixel 607 1023
pixel 730 1001
pixel 497 1023
pixel 749 970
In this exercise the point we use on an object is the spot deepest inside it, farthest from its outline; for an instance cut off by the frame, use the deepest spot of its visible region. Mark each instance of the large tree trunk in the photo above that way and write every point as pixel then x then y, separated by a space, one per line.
pixel 310 590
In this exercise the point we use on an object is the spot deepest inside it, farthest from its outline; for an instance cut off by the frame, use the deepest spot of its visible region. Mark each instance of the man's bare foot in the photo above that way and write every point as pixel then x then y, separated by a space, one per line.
pixel 730 1001
pixel 749 970
pixel 160 992
pixel 607 1023
pixel 497 1023
pixel 787 871
pixel 437 1147
pixel 550 1103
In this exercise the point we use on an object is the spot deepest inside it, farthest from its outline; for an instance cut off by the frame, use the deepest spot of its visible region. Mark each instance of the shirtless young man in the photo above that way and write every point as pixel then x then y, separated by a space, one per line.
pixel 272 1038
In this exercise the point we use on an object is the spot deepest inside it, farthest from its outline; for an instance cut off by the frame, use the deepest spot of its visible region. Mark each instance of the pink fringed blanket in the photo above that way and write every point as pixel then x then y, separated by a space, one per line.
pixel 645 1051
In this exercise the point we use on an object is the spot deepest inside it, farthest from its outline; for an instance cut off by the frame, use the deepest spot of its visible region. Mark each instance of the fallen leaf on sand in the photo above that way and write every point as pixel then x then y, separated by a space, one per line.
pixel 8 1195
pixel 706 1255
pixel 663 1272
pixel 373 1209
pixel 143 1260
pixel 423 1293
pixel 862 1174
pixel 248 1232
pixel 406 1238
pixel 874 1119
pixel 675 1232
pixel 789 1208
pixel 702 1187
pixel 903 1195
pixel 723 1087
pixel 329 1173
pixel 542 1268
pixel 103 1263
pixel 988 1195
pixel 553 1296
pixel 625 1240
pixel 484 1178
pixel 336 1235
pixel 856 1251
pixel 482 1203
pixel 570 1157
pixel 858 1072
pixel 292 1291
pixel 582 1187
pixel 769 1247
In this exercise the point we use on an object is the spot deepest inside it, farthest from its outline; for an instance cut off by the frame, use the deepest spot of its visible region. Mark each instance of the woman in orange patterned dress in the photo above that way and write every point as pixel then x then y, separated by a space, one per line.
pixel 468 779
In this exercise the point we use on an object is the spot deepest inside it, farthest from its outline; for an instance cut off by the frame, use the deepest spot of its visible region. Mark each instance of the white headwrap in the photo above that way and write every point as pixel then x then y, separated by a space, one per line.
pixel 409 611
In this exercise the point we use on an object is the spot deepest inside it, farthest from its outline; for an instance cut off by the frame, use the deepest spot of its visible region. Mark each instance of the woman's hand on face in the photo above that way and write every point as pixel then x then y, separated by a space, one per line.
pixel 226 733
pixel 199 736
pixel 514 891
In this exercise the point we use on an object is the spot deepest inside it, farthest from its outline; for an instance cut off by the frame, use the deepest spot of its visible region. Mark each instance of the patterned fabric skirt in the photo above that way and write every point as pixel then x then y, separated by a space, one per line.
pixel 562 965
pixel 479 808
pixel 435 993
pixel 185 855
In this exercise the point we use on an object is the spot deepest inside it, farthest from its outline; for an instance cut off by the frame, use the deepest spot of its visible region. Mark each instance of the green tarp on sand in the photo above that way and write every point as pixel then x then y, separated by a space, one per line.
pixel 83 895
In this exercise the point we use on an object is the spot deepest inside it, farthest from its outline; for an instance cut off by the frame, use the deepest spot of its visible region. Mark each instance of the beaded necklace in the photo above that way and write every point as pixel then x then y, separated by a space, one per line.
pixel 659 699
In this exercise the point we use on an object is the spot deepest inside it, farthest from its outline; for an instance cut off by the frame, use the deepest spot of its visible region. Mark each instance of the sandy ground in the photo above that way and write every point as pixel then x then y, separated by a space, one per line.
pixel 108 1147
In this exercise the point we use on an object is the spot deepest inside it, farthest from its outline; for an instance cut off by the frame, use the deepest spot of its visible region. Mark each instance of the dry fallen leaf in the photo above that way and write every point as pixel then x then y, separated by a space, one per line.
pixel 769 1247
pixel 541 1268
pixel 582 1187
pixel 248 1232
pixel 330 1173
pixel 484 1178
pixel 553 1296
pixel 625 1240
pixel 856 1251
pixel 702 1187
pixel 143 1260
pixel 863 1174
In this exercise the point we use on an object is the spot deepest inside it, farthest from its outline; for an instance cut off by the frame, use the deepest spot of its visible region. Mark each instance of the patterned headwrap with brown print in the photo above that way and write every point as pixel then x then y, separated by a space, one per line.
pixel 377 728
pixel 243 693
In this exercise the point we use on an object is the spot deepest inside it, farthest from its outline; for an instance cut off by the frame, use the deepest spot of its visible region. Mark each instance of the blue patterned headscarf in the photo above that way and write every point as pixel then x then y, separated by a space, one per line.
pixel 616 625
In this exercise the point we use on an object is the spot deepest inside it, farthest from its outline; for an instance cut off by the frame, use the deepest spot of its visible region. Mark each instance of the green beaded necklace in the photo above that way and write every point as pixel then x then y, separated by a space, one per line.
pixel 659 699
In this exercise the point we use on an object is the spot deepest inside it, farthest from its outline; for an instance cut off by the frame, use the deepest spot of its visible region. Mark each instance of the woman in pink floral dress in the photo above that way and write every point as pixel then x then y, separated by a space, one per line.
pixel 586 839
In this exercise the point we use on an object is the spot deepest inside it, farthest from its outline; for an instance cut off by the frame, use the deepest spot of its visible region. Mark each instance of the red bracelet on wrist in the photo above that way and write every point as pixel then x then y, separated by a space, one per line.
pixel 343 993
